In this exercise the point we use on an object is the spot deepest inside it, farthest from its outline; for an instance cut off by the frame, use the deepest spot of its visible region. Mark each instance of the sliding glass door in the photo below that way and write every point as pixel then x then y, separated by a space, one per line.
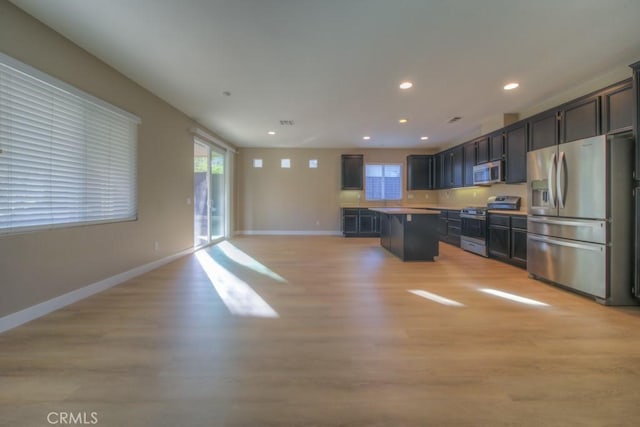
pixel 208 193
pixel 217 194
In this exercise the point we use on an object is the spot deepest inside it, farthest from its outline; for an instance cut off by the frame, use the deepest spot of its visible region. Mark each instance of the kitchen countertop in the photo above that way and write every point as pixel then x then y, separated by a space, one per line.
pixel 406 206
pixel 438 207
pixel 521 212
pixel 402 210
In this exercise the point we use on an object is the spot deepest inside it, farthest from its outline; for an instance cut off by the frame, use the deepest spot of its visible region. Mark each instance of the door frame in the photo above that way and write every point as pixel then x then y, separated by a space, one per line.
pixel 227 197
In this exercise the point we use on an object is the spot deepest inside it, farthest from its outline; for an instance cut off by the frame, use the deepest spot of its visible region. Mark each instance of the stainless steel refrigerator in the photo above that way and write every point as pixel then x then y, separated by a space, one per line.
pixel 580 217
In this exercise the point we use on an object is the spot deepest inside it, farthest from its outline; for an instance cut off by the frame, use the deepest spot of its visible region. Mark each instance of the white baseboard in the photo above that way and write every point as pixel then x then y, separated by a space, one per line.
pixel 288 233
pixel 23 316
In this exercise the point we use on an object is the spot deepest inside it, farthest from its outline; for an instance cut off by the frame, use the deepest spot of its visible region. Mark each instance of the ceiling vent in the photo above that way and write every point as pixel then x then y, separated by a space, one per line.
pixel 454 119
pixel 286 122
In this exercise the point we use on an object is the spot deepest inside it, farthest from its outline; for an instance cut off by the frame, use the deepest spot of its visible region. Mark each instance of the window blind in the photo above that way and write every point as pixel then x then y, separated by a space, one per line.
pixel 383 182
pixel 66 157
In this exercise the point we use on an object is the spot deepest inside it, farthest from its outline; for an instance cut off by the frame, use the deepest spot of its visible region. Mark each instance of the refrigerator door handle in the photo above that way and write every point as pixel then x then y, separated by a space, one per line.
pixel 552 167
pixel 561 222
pixel 559 180
pixel 594 248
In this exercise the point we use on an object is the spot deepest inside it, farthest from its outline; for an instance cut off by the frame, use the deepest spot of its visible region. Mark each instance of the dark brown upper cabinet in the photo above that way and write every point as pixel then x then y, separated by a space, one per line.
pixel 453 167
pixel 457 166
pixel 438 171
pixel 419 172
pixel 496 146
pixel 617 108
pixel 447 167
pixel 482 146
pixel 543 130
pixel 635 108
pixel 613 109
pixel 580 119
pixel 516 143
pixel 469 154
pixel 352 171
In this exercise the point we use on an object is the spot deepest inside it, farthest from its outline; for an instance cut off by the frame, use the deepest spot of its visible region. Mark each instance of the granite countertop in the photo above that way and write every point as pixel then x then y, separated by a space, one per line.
pixel 402 210
pixel 522 212
pixel 438 207
pixel 404 206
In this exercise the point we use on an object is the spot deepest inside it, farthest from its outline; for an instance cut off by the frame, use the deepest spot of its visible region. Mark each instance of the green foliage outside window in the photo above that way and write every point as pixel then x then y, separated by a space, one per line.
pixel 200 165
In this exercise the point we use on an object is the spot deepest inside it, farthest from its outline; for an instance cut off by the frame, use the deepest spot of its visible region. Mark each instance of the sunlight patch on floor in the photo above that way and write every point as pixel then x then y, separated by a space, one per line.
pixel 513 297
pixel 436 298
pixel 237 295
pixel 247 261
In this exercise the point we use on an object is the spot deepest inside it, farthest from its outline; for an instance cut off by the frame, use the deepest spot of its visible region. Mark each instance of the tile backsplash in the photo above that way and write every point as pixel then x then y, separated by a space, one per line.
pixel 477 196
pixel 456 197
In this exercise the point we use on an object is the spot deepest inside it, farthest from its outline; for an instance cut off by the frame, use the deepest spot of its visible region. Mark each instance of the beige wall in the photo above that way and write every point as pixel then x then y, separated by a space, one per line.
pixel 301 199
pixel 38 266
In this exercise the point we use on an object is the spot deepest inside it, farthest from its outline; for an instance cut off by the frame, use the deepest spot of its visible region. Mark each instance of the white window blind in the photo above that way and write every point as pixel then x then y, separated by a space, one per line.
pixel 383 182
pixel 66 157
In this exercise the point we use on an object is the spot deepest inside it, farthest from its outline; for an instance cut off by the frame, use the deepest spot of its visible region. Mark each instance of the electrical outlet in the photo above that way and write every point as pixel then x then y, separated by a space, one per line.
pixel 409 196
pixel 426 196
pixel 317 223
pixel 156 245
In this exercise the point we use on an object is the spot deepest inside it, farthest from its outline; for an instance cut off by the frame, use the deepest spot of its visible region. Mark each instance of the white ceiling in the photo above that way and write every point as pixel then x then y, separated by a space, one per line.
pixel 333 66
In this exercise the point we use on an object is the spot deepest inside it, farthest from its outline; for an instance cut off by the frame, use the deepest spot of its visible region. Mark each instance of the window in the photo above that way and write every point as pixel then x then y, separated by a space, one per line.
pixel 383 182
pixel 66 157
pixel 285 163
pixel 257 163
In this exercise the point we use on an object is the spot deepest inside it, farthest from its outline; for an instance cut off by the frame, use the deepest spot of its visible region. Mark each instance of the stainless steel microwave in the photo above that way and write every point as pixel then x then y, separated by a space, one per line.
pixel 487 173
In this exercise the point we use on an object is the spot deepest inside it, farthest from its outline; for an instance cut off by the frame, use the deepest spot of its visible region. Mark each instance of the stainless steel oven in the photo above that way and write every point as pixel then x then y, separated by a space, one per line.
pixel 473 227
pixel 473 231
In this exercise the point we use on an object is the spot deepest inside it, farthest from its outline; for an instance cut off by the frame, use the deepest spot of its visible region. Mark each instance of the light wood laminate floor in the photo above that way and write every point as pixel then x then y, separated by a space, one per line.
pixel 350 346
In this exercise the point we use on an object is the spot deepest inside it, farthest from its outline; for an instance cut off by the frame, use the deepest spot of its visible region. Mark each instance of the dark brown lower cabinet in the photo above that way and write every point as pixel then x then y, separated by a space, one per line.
pixel 350 219
pixel 368 223
pixel 499 242
pixel 508 238
pixel 519 241
pixel 453 228
pixel 360 222
pixel 449 227
pixel 442 226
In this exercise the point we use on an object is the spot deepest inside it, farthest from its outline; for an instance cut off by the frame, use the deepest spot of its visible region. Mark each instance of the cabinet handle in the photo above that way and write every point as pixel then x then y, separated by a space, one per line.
pixel 506 168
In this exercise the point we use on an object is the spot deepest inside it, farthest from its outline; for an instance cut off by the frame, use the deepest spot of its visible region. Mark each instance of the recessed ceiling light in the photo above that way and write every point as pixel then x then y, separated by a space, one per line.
pixel 424 138
pixel 511 86
pixel 403 121
pixel 366 138
pixel 406 85
pixel 271 132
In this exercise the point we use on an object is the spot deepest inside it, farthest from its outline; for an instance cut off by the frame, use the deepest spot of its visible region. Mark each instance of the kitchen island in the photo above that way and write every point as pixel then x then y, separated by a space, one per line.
pixel 410 234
